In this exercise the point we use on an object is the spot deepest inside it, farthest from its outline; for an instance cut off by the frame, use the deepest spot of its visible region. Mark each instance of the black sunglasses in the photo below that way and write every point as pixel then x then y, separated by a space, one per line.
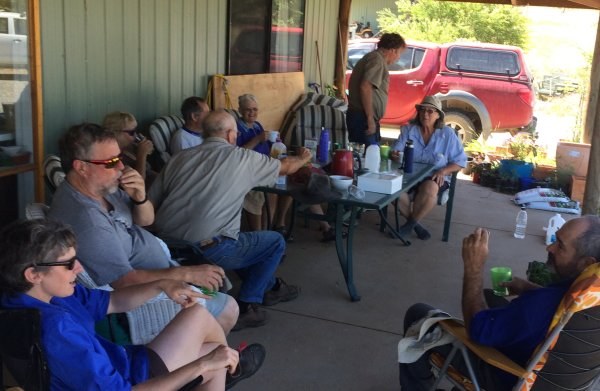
pixel 108 163
pixel 70 263
pixel 131 133
pixel 426 110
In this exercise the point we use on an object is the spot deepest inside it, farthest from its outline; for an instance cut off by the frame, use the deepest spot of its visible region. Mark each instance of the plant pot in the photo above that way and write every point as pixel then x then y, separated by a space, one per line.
pixel 468 169
pixel 542 172
pixel 526 183
pixel 515 168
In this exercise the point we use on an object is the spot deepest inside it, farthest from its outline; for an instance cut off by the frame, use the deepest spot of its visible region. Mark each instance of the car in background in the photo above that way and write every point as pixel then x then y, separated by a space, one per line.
pixel 483 87
pixel 13 39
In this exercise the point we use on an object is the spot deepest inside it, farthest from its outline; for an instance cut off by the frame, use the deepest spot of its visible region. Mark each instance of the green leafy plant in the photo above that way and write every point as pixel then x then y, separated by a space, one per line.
pixel 331 90
pixel 478 149
pixel 441 21
pixel 522 147
pixel 539 273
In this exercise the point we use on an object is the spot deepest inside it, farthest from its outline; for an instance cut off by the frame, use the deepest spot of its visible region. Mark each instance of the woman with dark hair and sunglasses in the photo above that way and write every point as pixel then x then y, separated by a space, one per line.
pixel 436 144
pixel 135 148
pixel 38 269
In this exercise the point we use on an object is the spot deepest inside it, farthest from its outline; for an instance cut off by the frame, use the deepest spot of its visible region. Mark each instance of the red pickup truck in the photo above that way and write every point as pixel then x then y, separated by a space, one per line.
pixel 483 87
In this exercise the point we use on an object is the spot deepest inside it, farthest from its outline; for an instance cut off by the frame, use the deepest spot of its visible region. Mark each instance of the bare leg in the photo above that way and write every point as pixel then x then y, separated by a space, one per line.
pixel 189 336
pixel 405 209
pixel 254 221
pixel 426 200
pixel 273 208
pixel 228 317
pixel 283 205
pixel 423 203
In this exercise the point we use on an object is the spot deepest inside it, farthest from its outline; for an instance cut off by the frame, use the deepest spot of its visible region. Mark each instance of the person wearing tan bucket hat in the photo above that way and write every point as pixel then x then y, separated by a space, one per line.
pixel 434 143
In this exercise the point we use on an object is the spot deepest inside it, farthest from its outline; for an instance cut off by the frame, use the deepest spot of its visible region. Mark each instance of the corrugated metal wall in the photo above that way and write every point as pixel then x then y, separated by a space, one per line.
pixel 145 56
pixel 320 27
pixel 142 56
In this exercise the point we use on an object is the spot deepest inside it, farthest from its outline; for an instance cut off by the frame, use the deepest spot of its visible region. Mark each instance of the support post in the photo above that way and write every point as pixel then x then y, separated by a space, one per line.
pixel 342 48
pixel 591 198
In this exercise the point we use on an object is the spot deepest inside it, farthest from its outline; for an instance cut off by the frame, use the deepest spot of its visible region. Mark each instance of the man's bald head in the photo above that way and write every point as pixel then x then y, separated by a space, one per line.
pixel 220 123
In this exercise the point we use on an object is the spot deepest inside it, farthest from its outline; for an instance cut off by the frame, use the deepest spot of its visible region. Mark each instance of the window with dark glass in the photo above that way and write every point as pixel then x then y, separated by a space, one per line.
pixel 482 60
pixel 265 36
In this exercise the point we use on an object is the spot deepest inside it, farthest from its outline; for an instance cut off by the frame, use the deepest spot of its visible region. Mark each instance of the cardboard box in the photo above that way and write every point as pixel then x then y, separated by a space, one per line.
pixel 577 188
pixel 572 158
pixel 380 183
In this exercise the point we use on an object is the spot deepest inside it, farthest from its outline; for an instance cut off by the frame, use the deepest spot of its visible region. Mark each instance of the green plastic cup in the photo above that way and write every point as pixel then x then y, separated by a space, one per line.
pixel 500 274
pixel 385 151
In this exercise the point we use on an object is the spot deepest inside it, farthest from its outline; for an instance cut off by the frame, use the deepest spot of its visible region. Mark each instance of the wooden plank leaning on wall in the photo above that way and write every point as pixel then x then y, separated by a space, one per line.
pixel 275 92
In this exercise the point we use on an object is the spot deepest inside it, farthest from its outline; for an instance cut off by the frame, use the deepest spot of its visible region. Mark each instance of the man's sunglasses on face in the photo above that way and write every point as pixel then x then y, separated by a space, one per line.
pixel 108 164
pixel 131 133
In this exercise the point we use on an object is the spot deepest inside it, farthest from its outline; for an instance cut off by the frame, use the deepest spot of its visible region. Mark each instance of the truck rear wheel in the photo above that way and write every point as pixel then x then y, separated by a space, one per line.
pixel 462 124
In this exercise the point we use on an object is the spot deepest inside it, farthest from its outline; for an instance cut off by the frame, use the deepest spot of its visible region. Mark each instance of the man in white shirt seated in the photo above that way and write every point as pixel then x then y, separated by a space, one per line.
pixel 193 109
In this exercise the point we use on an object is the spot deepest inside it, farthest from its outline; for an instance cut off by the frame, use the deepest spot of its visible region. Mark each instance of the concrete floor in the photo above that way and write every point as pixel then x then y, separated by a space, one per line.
pixel 323 341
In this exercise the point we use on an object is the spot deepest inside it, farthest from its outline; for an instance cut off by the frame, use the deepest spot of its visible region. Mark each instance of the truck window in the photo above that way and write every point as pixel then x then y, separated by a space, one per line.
pixel 411 58
pixel 356 54
pixel 483 60
pixel 20 26
pixel 3 25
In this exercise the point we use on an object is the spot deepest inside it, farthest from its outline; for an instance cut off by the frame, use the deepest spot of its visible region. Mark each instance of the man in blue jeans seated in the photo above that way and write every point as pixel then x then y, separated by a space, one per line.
pixel 198 197
pixel 518 327
pixel 105 203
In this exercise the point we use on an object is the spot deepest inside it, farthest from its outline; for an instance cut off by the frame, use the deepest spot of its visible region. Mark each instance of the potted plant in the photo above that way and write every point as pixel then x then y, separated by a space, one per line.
pixel 523 151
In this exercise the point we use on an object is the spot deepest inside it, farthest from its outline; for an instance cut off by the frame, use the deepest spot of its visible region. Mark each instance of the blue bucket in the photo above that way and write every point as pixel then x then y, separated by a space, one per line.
pixel 515 168
pixel 526 183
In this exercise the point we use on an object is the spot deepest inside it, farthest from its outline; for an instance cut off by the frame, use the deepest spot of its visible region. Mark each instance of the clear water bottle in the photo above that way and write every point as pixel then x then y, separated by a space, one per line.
pixel 521 224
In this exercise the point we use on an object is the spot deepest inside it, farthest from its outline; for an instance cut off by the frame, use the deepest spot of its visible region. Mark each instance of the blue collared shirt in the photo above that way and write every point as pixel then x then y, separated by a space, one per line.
pixel 246 134
pixel 519 327
pixel 443 148
pixel 78 358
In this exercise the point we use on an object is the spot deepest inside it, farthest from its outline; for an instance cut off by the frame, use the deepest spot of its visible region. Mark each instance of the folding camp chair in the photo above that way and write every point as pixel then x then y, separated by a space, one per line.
pixel 21 349
pixel 569 357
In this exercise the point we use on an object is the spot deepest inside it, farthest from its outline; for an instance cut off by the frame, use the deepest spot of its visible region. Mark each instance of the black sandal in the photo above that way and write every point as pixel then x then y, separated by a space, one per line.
pixel 284 232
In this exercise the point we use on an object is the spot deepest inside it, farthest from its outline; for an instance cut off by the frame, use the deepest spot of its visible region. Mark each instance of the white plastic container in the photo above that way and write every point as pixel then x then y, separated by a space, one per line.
pixel 373 158
pixel 385 183
pixel 554 225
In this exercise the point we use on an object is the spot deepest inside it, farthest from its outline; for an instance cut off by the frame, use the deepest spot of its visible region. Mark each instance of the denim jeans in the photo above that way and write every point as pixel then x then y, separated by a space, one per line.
pixel 255 257
pixel 357 127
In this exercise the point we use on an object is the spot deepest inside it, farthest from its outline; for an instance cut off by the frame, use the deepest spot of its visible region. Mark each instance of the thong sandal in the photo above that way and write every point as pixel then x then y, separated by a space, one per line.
pixel 284 232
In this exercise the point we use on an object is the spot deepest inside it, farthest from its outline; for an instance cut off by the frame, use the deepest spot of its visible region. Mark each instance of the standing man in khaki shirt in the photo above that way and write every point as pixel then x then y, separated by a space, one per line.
pixel 368 89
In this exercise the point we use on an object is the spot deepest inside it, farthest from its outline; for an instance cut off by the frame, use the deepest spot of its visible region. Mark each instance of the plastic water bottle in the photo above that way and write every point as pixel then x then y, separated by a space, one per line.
pixel 521 224
pixel 278 149
pixel 323 146
pixel 554 225
pixel 373 158
pixel 409 150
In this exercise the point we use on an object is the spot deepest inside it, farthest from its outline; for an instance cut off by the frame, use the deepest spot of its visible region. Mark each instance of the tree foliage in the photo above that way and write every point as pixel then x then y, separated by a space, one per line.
pixel 444 21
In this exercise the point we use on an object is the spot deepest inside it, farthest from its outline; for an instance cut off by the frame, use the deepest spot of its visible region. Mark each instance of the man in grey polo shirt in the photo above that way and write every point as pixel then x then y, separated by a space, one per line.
pixel 106 205
pixel 198 197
